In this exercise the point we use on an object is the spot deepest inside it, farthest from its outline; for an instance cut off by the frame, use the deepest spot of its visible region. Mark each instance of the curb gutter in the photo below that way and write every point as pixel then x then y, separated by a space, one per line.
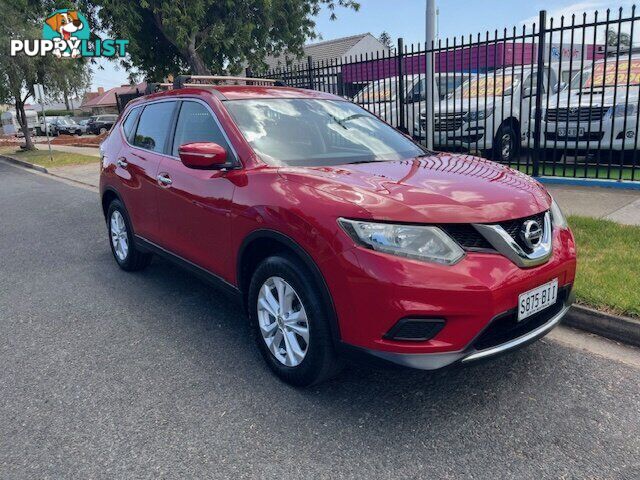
pixel 22 163
pixel 621 329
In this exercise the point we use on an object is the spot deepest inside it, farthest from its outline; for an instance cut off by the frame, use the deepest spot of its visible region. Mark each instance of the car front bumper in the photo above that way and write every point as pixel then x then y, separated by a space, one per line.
pixel 372 292
pixel 434 361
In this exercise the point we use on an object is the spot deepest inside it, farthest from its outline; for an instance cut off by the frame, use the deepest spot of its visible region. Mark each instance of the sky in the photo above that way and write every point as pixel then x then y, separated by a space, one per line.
pixel 405 18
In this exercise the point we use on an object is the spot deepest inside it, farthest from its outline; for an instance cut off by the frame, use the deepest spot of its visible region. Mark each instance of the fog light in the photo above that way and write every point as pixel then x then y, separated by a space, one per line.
pixel 415 329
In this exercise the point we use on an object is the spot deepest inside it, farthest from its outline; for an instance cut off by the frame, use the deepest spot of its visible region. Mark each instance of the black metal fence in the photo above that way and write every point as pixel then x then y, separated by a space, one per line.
pixel 556 97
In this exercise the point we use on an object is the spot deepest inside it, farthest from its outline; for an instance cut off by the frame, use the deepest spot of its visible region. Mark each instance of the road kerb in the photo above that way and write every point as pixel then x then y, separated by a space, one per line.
pixel 22 163
pixel 621 329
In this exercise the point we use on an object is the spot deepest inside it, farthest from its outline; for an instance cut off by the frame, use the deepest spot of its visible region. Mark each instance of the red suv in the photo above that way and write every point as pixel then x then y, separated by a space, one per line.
pixel 338 233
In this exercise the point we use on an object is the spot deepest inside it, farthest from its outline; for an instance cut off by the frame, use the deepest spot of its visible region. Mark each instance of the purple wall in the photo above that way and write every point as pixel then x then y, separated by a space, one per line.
pixel 477 58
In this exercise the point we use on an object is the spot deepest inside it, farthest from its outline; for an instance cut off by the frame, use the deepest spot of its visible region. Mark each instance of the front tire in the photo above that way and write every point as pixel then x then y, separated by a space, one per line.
pixel 289 323
pixel 128 257
pixel 505 145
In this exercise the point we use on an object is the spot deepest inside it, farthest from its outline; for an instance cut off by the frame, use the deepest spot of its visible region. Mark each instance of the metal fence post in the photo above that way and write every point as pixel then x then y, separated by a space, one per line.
pixel 537 128
pixel 400 86
pixel 310 71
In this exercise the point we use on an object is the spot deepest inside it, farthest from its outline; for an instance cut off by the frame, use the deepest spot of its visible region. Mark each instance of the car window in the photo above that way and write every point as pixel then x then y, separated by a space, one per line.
pixel 153 127
pixel 130 122
pixel 196 124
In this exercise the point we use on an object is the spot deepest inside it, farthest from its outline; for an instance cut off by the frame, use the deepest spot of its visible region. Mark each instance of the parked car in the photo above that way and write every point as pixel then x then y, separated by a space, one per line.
pixel 597 111
pixel 101 124
pixel 381 97
pixel 339 234
pixel 48 125
pixel 11 126
pixel 83 125
pixel 492 113
pixel 67 126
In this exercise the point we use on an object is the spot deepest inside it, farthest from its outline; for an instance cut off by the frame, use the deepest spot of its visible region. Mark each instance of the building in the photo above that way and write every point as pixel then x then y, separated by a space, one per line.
pixel 345 49
pixel 102 101
pixel 327 58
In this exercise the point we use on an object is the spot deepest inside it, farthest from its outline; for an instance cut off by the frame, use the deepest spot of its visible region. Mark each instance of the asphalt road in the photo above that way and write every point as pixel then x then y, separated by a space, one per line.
pixel 152 375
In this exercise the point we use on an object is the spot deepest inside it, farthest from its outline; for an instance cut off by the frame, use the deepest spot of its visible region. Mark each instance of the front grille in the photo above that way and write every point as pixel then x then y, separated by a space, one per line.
pixel 445 122
pixel 575 114
pixel 467 237
pixel 514 227
pixel 505 327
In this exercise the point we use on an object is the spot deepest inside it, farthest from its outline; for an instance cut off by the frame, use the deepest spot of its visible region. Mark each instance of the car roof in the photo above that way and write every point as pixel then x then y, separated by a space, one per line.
pixel 245 92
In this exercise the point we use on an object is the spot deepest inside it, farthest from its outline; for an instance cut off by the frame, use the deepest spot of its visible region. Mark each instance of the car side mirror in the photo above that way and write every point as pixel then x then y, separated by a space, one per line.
pixel 202 155
pixel 528 92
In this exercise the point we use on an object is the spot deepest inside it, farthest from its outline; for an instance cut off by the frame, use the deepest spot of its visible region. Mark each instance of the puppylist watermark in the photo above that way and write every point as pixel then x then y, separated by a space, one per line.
pixel 66 34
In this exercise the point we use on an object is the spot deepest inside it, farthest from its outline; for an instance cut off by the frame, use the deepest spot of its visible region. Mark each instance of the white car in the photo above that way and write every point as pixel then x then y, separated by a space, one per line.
pixel 491 113
pixel 598 110
pixel 380 97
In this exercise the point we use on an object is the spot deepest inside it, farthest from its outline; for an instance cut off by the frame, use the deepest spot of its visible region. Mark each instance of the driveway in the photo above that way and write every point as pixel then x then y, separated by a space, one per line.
pixel 152 375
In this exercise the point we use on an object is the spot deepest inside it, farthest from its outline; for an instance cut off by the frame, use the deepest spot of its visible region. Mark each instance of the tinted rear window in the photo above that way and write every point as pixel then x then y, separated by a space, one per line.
pixel 153 127
pixel 130 123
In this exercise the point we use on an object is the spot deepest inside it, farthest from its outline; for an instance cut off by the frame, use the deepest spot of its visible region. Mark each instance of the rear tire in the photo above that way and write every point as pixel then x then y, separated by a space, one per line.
pixel 280 326
pixel 121 240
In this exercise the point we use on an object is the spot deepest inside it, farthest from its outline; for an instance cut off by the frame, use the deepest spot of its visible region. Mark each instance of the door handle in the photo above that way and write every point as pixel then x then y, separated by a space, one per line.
pixel 164 179
pixel 122 163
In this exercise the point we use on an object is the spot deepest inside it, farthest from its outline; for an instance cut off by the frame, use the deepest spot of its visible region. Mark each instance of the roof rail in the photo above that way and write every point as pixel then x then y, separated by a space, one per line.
pixel 183 81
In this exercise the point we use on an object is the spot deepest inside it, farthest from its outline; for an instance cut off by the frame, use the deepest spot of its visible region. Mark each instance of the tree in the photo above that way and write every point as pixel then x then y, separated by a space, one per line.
pixel 612 38
pixel 19 74
pixel 201 36
pixel 68 78
pixel 385 39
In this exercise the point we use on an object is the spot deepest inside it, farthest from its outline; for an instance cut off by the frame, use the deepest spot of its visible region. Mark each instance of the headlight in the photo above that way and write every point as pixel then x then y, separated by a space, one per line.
pixel 620 111
pixel 478 115
pixel 429 244
pixel 557 217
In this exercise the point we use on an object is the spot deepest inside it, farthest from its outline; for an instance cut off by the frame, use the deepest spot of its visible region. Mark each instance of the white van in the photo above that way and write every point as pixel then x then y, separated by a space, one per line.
pixel 598 110
pixel 380 97
pixel 10 125
pixel 492 113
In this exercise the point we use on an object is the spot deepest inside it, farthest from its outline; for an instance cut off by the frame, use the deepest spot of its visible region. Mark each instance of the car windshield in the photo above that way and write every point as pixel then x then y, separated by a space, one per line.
pixel 498 85
pixel 618 73
pixel 308 132
pixel 379 91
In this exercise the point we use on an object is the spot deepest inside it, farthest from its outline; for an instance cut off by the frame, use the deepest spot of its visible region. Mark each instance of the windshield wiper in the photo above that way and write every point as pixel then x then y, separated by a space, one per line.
pixel 342 122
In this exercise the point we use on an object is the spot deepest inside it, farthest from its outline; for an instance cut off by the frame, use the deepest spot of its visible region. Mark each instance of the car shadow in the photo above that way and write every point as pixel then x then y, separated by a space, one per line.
pixel 206 324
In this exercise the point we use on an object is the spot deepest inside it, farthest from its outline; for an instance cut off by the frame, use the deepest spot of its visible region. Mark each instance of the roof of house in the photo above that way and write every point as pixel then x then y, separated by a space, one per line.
pixel 320 52
pixel 108 98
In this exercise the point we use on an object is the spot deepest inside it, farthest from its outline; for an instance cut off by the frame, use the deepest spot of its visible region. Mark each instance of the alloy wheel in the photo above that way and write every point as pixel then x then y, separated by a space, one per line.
pixel 505 146
pixel 119 238
pixel 283 321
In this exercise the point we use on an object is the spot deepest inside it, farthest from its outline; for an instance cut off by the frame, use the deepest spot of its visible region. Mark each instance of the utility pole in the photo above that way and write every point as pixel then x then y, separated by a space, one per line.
pixel 38 90
pixel 430 38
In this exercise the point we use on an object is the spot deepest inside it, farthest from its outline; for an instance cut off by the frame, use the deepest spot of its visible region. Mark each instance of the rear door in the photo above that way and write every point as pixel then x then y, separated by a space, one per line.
pixel 146 129
pixel 194 205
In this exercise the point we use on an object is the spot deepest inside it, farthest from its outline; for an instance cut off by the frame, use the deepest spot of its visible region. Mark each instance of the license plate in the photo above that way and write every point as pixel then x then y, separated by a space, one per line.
pixel 536 300
pixel 570 132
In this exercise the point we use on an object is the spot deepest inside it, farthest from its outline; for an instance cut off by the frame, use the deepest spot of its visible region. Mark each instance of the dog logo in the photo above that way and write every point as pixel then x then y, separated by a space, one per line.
pixel 70 26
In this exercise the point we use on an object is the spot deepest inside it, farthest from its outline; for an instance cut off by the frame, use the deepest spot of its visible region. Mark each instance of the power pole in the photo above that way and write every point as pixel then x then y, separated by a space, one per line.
pixel 430 39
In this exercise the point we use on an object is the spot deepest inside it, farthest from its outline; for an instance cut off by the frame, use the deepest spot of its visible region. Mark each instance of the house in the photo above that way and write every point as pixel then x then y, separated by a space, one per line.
pixel 326 57
pixel 345 49
pixel 102 101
